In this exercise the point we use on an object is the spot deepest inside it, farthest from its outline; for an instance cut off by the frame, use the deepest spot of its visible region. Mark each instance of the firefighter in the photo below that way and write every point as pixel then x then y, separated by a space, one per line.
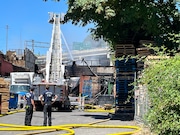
pixel 30 106
pixel 47 103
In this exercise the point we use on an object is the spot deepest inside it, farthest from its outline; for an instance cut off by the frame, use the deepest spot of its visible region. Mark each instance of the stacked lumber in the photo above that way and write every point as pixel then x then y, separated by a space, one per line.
pixel 4 96
pixel 124 49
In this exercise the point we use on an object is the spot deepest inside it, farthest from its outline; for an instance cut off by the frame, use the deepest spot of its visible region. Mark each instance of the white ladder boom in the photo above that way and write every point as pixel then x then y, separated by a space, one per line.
pixel 54 68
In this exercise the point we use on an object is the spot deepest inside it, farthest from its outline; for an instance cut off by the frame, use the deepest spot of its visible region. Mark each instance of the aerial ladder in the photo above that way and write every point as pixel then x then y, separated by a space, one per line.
pixel 54 67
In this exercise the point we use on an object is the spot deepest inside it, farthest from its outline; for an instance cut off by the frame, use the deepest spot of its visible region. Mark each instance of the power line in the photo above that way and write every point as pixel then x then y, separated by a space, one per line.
pixel 33 44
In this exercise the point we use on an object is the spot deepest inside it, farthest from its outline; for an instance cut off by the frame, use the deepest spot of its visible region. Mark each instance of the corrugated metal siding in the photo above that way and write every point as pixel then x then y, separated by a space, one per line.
pixel 30 60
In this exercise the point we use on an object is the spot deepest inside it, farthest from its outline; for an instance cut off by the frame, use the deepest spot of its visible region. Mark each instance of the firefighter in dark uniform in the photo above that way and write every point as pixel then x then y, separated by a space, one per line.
pixel 47 102
pixel 30 106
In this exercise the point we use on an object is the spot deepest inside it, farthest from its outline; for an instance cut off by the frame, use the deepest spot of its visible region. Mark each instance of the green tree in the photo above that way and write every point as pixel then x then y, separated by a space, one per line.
pixel 121 21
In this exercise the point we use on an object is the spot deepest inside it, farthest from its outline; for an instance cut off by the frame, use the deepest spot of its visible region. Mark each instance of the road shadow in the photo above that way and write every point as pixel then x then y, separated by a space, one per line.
pixel 121 117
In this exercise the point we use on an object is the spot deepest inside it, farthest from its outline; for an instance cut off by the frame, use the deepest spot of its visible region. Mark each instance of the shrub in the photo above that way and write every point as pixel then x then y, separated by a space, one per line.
pixel 162 79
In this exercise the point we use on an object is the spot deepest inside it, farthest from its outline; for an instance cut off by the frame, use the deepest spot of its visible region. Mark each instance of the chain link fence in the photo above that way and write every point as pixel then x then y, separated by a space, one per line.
pixel 141 103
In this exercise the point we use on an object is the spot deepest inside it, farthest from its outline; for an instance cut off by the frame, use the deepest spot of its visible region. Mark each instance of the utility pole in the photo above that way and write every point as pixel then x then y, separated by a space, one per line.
pixel 7 27
pixel 33 46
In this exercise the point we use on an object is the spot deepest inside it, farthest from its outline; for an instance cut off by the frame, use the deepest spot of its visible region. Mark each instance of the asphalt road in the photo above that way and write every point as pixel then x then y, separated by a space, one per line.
pixel 61 118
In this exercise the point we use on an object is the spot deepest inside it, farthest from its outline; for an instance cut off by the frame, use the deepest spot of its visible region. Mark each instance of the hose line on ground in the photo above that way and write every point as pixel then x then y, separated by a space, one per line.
pixel 66 127
pixel 11 127
pixel 12 112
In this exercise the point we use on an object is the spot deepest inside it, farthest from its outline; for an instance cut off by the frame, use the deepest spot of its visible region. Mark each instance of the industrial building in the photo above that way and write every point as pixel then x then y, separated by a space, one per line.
pixel 90 73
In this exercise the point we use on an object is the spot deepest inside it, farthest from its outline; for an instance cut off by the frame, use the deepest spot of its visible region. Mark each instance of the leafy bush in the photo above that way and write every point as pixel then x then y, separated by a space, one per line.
pixel 162 79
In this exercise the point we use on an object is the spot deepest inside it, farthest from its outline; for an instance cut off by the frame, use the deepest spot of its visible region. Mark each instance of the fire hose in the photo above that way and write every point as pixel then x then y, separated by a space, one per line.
pixel 67 127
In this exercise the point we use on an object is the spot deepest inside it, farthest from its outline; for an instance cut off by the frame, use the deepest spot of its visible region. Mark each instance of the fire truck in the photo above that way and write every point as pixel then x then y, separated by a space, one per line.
pixel 54 70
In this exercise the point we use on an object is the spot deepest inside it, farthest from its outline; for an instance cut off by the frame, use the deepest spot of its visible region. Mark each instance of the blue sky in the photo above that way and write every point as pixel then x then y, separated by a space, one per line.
pixel 28 20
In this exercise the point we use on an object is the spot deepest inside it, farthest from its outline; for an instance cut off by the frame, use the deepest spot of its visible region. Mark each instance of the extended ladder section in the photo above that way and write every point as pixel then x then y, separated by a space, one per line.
pixel 54 68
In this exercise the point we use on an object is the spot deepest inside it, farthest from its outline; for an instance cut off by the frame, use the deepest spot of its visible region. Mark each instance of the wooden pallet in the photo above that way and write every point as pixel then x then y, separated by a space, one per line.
pixel 125 77
pixel 143 51
pixel 127 46
pixel 124 49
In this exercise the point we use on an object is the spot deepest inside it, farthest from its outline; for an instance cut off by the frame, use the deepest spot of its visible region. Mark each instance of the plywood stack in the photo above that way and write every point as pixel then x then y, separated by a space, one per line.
pixel 124 49
pixel 4 92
